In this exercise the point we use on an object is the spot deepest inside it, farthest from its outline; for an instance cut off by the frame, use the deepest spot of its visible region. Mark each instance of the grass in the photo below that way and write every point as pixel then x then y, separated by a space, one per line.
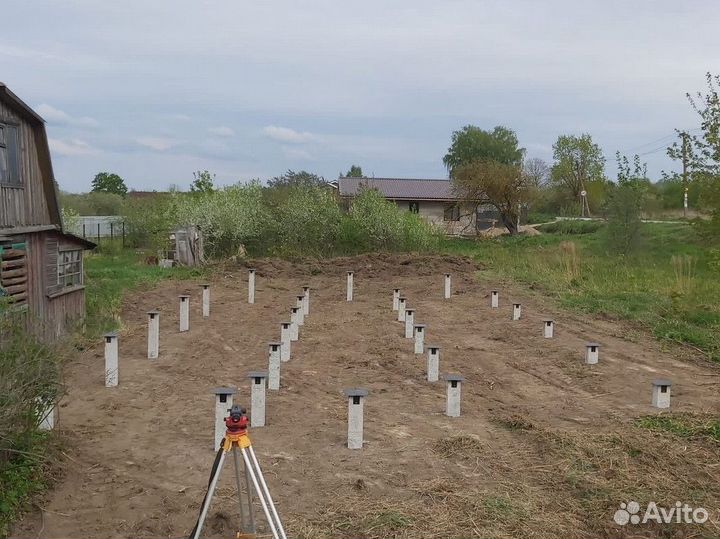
pixel 684 426
pixel 112 273
pixel 668 284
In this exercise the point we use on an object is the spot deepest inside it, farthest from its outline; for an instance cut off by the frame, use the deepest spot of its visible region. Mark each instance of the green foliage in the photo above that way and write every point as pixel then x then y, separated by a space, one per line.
pixel 504 186
pixel 354 172
pixel 70 218
pixel 297 179
pixel 308 223
pixel 684 426
pixel 298 220
pixel 229 218
pixel 29 381
pixel 203 182
pixel 571 226
pixel 623 212
pixel 377 224
pixel 640 287
pixel 109 182
pixel 474 144
pixel 148 221
pixel 578 161
pixel 109 276
pixel 93 203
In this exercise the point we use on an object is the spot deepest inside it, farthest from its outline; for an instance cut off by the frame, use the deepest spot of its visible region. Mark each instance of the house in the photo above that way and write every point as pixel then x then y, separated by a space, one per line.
pixel 434 200
pixel 41 267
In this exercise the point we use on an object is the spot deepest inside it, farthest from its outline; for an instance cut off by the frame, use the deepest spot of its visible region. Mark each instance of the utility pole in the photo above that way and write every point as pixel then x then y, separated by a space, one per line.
pixel 685 151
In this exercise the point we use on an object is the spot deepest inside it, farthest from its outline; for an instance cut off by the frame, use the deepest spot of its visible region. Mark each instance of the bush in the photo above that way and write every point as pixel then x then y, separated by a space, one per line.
pixel 623 210
pixel 308 223
pixel 29 381
pixel 229 218
pixel 571 227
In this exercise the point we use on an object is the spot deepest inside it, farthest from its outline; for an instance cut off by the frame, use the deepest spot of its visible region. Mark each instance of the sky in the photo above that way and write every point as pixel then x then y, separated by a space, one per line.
pixel 156 89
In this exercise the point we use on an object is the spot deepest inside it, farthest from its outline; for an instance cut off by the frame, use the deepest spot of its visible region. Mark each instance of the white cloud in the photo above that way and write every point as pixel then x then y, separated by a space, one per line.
pixel 287 135
pixel 73 147
pixel 221 131
pixel 57 116
pixel 159 144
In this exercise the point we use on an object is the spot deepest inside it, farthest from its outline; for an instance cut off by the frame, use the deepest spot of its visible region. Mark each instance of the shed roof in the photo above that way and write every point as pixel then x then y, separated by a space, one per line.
pixel 399 188
pixel 42 146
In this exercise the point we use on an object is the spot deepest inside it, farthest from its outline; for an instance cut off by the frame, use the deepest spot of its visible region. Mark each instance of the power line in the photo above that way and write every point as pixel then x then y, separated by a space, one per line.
pixel 672 135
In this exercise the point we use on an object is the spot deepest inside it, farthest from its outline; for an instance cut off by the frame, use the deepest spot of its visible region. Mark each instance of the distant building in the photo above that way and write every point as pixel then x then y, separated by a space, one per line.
pixel 41 266
pixel 434 200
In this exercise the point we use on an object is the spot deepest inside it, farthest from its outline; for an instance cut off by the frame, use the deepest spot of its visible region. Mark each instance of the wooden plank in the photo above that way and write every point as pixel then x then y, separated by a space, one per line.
pixel 19 298
pixel 9 274
pixel 13 281
pixel 13 253
pixel 9 264
pixel 12 290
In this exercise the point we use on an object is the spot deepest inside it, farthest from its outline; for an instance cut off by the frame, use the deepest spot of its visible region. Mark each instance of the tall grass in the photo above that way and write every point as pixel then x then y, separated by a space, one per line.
pixel 678 301
pixel 29 382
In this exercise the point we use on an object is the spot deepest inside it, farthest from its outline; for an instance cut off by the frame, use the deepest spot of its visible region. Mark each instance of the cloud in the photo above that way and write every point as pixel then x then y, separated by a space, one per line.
pixel 287 135
pixel 73 147
pixel 57 116
pixel 178 117
pixel 221 131
pixel 295 153
pixel 159 144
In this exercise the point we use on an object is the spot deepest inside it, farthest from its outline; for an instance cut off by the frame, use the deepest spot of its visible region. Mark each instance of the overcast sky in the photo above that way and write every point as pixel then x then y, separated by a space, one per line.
pixel 156 89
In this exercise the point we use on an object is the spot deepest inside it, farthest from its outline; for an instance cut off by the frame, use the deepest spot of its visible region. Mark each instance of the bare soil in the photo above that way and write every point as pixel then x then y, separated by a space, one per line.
pixel 546 446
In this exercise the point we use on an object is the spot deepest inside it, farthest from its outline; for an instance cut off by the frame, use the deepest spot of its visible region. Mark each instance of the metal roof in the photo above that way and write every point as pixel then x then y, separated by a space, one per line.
pixel 399 188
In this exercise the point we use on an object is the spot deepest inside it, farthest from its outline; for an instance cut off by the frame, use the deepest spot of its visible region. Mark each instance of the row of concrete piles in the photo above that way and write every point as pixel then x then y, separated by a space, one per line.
pixel 417 332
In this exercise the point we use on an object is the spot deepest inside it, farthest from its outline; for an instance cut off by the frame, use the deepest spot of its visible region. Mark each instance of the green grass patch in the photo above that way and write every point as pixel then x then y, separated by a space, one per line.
pixel 571 227
pixel 22 475
pixel 109 276
pixel 668 284
pixel 683 426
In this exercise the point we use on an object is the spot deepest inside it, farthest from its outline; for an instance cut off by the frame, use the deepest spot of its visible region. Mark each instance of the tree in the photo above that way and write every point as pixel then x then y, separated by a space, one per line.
pixel 537 171
pixel 504 186
pixel 474 144
pixel 708 108
pixel 578 161
pixel 297 179
pixel 203 182
pixel 354 172
pixel 108 182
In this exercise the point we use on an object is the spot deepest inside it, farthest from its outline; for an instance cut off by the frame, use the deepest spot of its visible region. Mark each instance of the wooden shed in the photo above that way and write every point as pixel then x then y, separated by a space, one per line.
pixel 41 266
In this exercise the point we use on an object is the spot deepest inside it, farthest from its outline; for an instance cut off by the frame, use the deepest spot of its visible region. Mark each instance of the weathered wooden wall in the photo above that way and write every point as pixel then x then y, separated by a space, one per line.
pixel 49 317
pixel 25 205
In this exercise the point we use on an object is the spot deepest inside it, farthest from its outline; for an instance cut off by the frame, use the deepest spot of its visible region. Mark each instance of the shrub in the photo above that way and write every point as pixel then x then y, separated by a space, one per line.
pixel 623 210
pixel 308 222
pixel 29 380
pixel 571 227
pixel 229 218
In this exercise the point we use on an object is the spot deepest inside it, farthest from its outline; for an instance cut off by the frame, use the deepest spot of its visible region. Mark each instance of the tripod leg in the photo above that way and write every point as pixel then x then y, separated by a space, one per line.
pixel 268 516
pixel 251 510
pixel 266 492
pixel 208 499
pixel 243 521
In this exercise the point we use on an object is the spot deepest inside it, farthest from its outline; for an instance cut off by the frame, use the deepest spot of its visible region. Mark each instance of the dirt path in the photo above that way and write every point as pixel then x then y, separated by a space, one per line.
pixel 545 444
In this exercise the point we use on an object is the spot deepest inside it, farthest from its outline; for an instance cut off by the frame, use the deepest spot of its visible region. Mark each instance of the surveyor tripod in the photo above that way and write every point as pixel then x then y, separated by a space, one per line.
pixel 237 440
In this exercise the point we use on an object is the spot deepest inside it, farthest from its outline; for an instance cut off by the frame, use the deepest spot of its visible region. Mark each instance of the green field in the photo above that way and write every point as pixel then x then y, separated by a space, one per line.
pixel 668 283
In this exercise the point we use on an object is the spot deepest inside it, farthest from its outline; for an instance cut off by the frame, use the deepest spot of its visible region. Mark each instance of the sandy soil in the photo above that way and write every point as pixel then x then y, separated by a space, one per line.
pixel 139 454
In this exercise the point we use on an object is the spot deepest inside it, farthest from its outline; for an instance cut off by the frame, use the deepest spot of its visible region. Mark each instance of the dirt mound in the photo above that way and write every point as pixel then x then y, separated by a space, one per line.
pixel 368 265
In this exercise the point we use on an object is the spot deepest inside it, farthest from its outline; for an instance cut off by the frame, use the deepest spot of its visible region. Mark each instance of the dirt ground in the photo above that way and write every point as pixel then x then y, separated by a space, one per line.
pixel 545 446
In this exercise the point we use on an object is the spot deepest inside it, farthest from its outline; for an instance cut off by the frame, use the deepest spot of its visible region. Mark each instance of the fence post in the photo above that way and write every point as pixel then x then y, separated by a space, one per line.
pixel 98 235
pixel 112 237
pixel 84 234
pixel 123 233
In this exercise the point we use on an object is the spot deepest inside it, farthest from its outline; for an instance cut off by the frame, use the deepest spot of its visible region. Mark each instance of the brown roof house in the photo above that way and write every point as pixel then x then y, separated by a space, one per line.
pixel 434 200
pixel 41 266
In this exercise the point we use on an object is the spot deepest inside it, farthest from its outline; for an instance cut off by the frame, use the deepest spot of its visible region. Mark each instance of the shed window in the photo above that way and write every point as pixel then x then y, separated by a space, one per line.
pixel 452 213
pixel 414 206
pixel 9 155
pixel 70 267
